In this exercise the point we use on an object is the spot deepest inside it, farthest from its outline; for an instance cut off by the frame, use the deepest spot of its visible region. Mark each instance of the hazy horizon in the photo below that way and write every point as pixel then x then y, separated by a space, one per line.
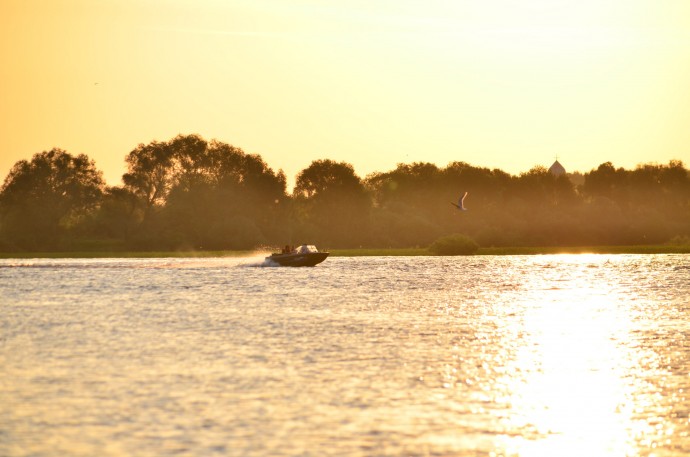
pixel 116 180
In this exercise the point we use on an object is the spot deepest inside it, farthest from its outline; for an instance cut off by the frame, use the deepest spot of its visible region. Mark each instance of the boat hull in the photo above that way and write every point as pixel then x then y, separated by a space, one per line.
pixel 298 260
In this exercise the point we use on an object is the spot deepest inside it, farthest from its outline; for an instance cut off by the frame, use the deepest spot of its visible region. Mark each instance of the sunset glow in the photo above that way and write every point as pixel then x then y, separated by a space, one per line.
pixel 501 84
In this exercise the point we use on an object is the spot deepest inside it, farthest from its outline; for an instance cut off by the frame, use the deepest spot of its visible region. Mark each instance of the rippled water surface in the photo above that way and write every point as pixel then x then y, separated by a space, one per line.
pixel 585 355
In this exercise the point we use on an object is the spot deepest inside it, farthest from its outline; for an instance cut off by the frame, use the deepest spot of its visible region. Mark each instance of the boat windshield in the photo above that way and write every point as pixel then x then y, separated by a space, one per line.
pixel 306 248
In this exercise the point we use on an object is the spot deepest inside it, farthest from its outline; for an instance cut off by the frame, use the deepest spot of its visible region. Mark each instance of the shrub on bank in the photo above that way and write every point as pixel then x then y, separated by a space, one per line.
pixel 456 244
pixel 679 241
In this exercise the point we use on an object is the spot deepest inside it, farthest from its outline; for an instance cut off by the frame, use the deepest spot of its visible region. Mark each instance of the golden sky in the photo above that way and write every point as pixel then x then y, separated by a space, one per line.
pixel 496 83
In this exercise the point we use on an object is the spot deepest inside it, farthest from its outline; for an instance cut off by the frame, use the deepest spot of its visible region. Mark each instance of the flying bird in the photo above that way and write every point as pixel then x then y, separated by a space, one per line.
pixel 461 203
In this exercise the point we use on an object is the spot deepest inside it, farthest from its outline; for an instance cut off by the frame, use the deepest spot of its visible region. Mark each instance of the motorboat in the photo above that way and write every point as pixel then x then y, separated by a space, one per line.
pixel 305 255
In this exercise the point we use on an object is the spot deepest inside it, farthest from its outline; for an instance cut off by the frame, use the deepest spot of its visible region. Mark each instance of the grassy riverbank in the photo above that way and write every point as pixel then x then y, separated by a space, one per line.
pixel 651 249
pixel 126 254
pixel 646 249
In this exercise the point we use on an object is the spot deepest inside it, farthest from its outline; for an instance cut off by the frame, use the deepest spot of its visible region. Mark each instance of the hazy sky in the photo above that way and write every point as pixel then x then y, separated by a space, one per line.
pixel 496 83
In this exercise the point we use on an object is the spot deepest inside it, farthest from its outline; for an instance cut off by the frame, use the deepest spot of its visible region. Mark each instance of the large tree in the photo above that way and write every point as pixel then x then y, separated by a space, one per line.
pixel 333 205
pixel 150 173
pixel 42 198
pixel 649 204
pixel 202 194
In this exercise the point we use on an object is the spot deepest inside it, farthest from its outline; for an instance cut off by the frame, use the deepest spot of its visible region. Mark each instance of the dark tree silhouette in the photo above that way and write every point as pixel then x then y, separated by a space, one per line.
pixel 649 204
pixel 119 214
pixel 238 205
pixel 199 194
pixel 332 203
pixel 409 205
pixel 150 173
pixel 41 199
pixel 192 193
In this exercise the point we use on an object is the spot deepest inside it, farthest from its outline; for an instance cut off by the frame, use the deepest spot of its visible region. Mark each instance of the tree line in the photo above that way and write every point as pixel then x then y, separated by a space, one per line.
pixel 190 193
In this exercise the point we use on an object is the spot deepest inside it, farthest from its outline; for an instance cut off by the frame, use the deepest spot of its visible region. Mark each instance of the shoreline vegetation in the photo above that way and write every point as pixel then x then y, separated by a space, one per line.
pixel 192 195
pixel 384 252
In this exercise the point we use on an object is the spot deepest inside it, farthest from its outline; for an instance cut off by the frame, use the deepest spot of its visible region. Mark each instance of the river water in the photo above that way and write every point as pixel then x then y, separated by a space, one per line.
pixel 582 355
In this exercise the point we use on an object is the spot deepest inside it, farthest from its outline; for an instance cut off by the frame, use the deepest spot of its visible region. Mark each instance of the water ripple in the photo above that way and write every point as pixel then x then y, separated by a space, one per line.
pixel 521 355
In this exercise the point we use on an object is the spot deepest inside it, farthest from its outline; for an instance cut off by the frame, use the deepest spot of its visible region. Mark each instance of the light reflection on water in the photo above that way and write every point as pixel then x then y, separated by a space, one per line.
pixel 530 356
pixel 573 391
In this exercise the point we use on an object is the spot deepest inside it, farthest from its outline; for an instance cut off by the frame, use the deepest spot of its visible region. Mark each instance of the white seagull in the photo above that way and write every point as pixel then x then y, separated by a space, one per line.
pixel 461 203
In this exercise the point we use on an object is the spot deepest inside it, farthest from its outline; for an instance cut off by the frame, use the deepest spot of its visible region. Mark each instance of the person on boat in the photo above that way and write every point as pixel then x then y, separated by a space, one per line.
pixel 286 249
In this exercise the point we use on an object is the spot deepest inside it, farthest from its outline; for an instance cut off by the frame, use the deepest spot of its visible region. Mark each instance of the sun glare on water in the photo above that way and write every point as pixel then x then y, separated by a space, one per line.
pixel 573 381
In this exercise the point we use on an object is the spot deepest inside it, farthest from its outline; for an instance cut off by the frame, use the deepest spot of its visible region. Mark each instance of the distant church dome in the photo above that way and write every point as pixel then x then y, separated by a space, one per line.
pixel 557 169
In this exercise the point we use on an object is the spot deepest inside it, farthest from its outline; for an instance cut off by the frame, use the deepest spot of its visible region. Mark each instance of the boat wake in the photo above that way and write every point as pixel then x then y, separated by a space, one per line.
pixel 258 262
